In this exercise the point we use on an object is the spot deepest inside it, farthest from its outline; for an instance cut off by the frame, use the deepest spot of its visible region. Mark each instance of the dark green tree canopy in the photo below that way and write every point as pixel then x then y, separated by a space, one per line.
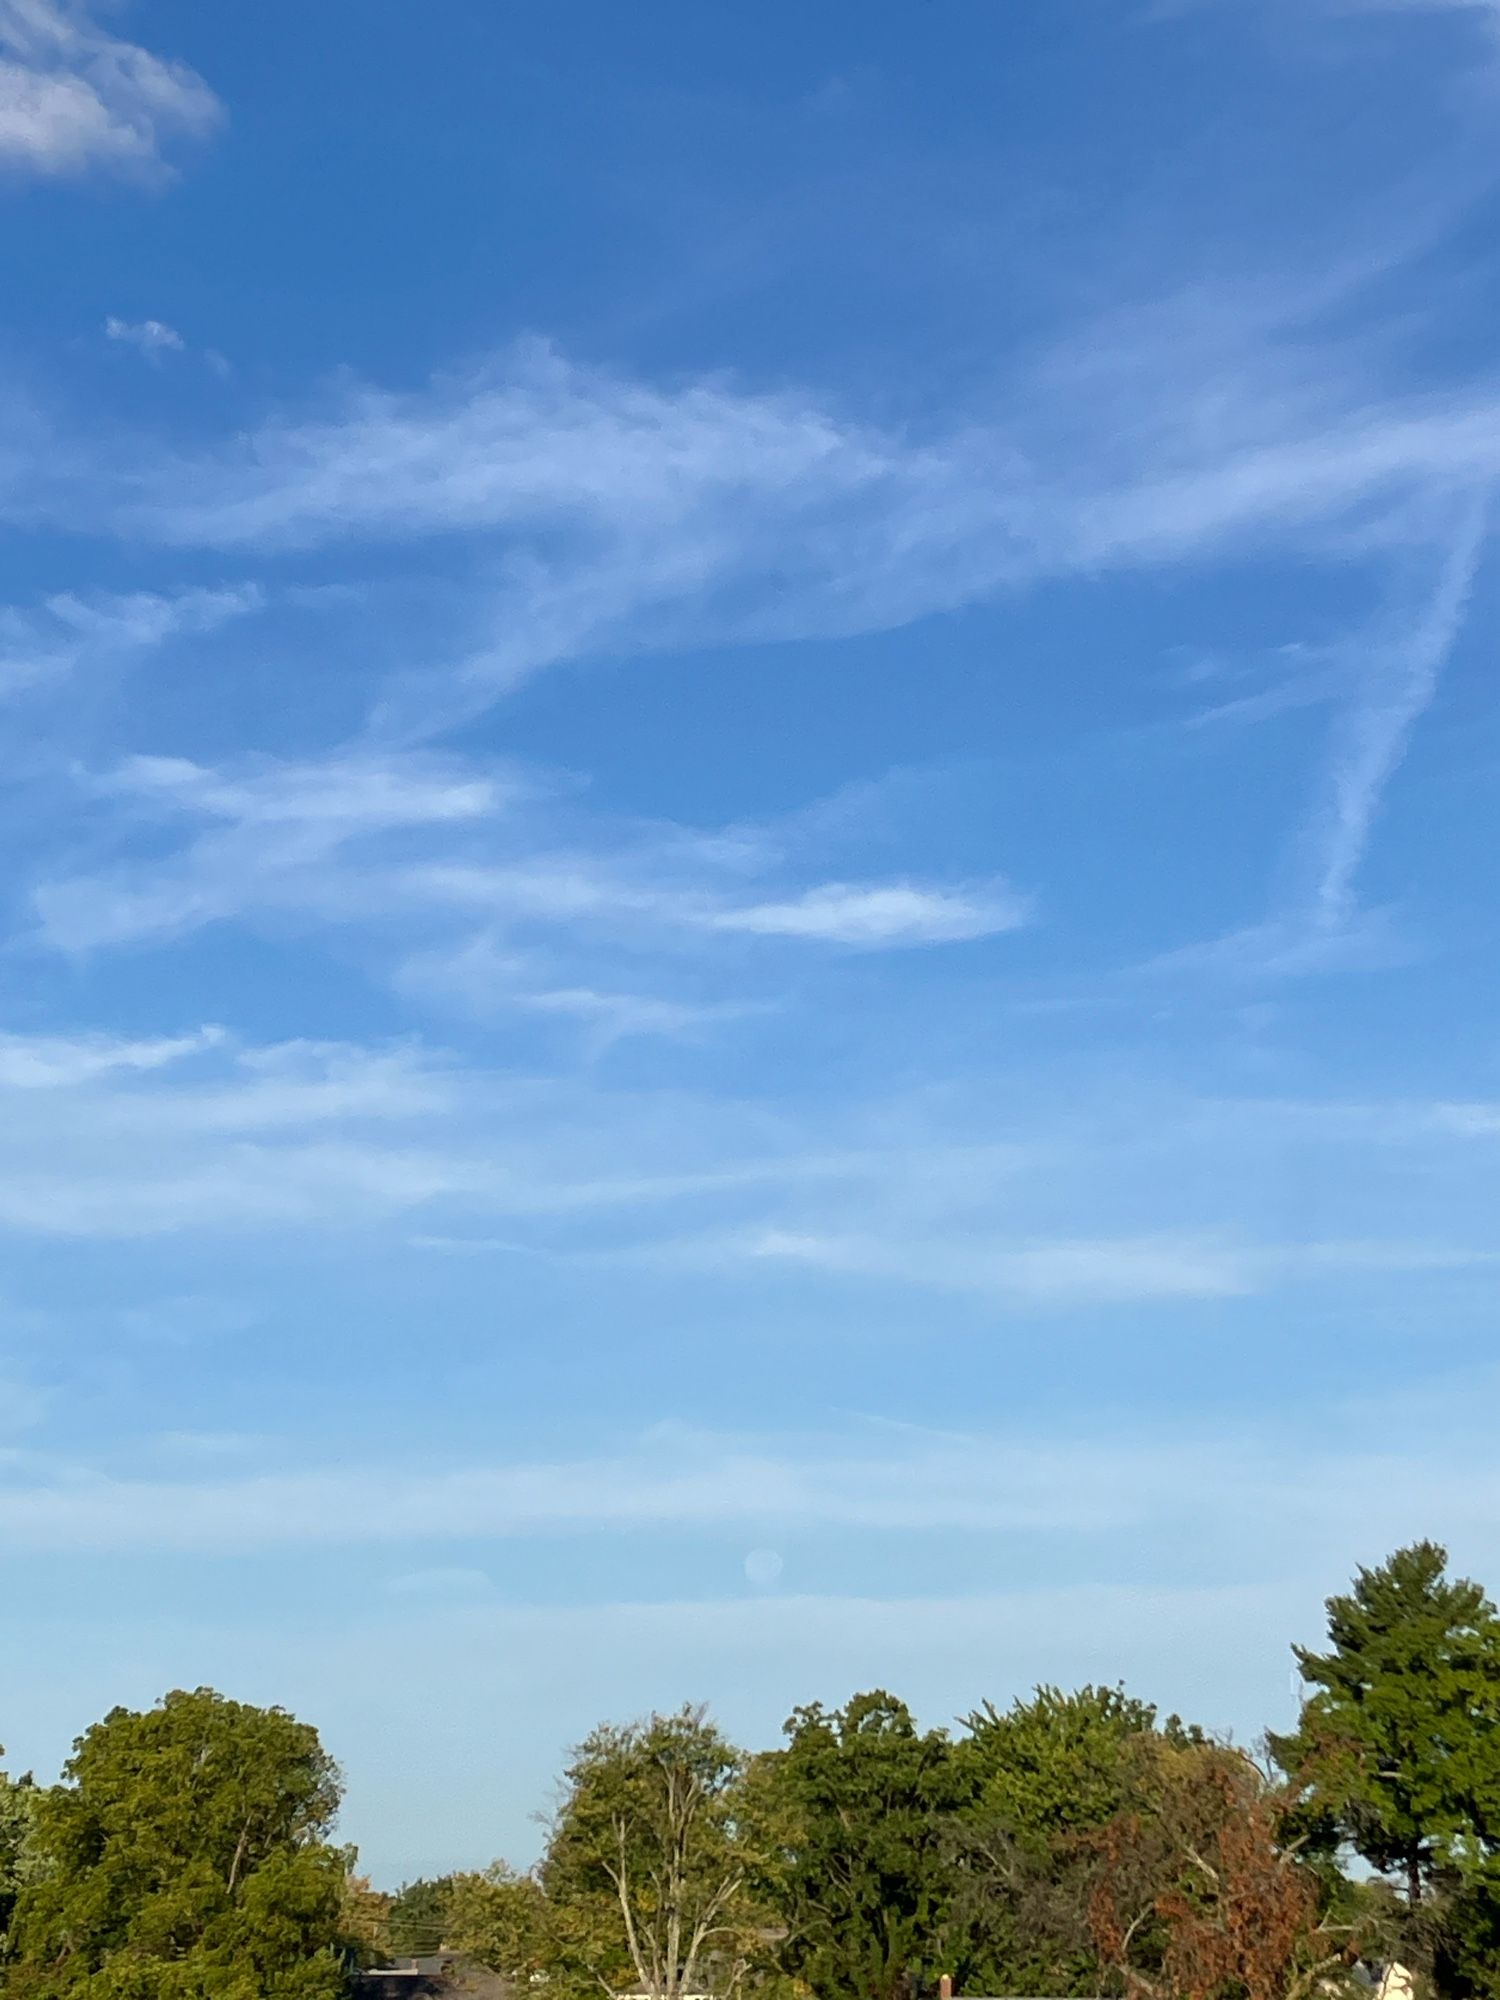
pixel 852 1813
pixel 1398 1747
pixel 1056 1761
pixel 186 1854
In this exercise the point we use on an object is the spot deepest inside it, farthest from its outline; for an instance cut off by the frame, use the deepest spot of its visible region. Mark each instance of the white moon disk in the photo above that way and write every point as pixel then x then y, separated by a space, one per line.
pixel 763 1567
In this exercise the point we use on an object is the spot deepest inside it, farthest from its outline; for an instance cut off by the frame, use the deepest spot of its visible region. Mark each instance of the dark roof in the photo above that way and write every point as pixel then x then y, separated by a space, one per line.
pixel 444 1972
pixel 395 1982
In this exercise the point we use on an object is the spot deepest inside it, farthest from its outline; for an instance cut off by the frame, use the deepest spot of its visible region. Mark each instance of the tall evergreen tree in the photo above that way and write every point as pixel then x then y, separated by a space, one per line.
pixel 1397 1754
pixel 1397 1750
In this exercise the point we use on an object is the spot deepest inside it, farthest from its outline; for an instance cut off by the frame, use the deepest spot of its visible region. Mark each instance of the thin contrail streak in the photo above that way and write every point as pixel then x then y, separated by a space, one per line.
pixel 1377 731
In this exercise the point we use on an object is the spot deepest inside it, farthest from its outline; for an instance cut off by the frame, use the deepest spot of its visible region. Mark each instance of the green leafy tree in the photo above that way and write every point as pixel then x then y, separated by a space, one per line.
pixel 1046 1771
pixel 364 1916
pixel 18 1856
pixel 646 1875
pixel 1054 1762
pixel 501 1919
pixel 418 1920
pixel 850 1817
pixel 186 1856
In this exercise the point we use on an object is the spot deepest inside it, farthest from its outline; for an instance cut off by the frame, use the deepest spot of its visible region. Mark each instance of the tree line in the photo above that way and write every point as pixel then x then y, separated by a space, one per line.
pixel 1073 1843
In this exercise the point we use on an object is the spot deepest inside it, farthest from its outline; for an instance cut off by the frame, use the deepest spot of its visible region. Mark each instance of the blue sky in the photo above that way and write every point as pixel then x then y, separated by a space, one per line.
pixel 747 937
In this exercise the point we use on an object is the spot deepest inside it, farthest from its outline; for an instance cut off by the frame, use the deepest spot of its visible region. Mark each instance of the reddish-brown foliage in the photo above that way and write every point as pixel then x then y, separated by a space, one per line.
pixel 1197 1898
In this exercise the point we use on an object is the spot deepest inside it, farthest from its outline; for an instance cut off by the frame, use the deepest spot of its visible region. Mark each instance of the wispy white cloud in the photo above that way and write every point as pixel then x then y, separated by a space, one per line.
pixel 109 1137
pixel 590 511
pixel 151 337
pixel 874 914
pixel 483 978
pixel 1109 1486
pixel 68 632
pixel 1081 1271
pixel 863 915
pixel 276 835
pixel 128 1138
pixel 671 1482
pixel 61 1062
pixel 1291 944
pixel 602 511
pixel 629 515
pixel 74 97
pixel 712 481
pixel 531 440
pixel 970 1202
pixel 1069 1271
pixel 612 1016
pixel 458 869
pixel 351 793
